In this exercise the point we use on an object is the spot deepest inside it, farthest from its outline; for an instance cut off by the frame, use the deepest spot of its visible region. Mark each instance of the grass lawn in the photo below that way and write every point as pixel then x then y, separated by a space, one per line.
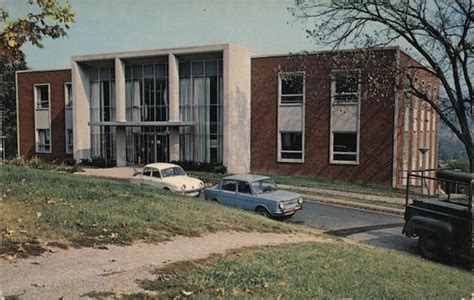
pixel 40 206
pixel 338 185
pixel 311 271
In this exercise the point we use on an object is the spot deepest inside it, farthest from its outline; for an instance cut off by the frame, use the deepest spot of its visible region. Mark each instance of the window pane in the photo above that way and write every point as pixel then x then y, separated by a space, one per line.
pixel 148 71
pixel 229 186
pixel 160 70
pixel 346 83
pixel 184 69
pixel 137 71
pixel 292 155
pixel 345 157
pixel 104 74
pixel 244 188
pixel 211 68
pixel 147 172
pixel 291 84
pixel 345 142
pixel 291 141
pixel 198 68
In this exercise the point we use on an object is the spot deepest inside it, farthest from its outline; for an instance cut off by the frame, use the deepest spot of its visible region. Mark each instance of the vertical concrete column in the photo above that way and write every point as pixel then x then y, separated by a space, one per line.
pixel 120 90
pixel 173 100
pixel 120 116
pixel 81 113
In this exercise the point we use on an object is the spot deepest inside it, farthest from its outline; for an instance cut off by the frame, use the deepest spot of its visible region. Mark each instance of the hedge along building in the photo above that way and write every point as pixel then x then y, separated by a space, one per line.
pixel 296 114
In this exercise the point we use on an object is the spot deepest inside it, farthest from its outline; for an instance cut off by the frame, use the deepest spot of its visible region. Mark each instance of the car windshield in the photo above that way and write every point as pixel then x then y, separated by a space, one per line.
pixel 175 171
pixel 264 186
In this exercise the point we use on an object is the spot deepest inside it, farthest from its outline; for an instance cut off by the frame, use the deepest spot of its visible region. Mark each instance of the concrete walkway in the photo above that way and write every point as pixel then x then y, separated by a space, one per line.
pixel 111 173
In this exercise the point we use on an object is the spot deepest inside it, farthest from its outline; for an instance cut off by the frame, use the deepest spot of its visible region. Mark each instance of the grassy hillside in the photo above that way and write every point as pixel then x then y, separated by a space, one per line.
pixel 66 209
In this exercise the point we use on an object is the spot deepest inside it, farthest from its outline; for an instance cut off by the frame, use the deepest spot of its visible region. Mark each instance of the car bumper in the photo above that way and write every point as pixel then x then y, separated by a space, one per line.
pixel 288 211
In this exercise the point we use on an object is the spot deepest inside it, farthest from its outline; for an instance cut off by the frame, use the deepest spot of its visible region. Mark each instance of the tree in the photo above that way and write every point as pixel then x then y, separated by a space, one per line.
pixel 52 20
pixel 8 104
pixel 438 32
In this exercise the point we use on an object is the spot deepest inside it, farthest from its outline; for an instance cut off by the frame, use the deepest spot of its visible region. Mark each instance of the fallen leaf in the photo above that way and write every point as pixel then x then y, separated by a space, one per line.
pixel 10 258
pixel 35 263
pixel 187 293
pixel 113 235
pixel 38 214
pixel 235 291
pixel 38 285
pixel 8 232
pixel 265 285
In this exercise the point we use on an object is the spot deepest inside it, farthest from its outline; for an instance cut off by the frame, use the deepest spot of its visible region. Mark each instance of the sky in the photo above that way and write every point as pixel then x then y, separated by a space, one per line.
pixel 121 25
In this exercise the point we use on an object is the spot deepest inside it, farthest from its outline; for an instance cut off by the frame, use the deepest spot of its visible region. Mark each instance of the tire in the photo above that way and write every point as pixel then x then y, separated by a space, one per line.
pixel 215 201
pixel 263 212
pixel 428 245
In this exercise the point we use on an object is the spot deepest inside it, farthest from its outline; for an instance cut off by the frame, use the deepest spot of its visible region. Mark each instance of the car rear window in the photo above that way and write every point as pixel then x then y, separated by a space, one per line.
pixel 229 185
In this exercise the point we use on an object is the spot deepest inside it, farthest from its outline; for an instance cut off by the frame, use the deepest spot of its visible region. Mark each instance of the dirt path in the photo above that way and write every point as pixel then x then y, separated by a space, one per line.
pixel 75 272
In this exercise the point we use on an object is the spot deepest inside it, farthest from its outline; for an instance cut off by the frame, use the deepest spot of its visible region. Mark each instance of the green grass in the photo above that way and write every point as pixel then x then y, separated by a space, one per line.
pixel 338 185
pixel 310 271
pixel 40 206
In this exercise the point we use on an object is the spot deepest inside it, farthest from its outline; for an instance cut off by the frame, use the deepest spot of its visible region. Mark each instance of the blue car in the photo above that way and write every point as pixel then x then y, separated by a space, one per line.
pixel 255 193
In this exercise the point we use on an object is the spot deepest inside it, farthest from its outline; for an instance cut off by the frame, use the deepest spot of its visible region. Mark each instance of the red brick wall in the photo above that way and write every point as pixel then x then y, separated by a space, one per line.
pixel 26 112
pixel 376 116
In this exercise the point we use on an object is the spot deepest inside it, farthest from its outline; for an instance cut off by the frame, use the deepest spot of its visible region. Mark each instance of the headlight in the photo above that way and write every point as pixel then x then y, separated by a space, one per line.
pixel 281 206
pixel 183 187
pixel 300 200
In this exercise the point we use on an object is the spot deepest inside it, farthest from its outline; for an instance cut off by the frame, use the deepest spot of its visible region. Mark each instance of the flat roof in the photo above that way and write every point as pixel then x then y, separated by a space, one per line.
pixel 246 177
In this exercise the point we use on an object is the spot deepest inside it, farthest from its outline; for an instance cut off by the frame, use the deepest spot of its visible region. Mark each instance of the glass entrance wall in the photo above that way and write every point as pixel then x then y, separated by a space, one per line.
pixel 146 99
pixel 102 109
pixel 201 102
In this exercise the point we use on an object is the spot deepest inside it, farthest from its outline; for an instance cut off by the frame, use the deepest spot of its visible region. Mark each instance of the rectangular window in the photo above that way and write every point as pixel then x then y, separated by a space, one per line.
pixel 291 146
pixel 291 88
pixel 68 94
pixel 345 88
pixel 344 147
pixel 42 96
pixel 43 144
pixel 69 141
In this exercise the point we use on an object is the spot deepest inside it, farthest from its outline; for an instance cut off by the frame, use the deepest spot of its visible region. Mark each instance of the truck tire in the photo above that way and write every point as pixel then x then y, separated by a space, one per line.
pixel 428 245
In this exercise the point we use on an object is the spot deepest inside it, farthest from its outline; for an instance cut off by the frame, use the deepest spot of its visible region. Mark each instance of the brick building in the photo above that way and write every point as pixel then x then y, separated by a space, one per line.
pixel 334 115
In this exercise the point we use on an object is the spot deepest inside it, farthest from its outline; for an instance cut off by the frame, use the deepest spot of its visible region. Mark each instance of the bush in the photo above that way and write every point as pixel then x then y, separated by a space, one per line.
pixel 69 161
pixel 98 162
pixel 202 166
pixel 458 164
pixel 37 163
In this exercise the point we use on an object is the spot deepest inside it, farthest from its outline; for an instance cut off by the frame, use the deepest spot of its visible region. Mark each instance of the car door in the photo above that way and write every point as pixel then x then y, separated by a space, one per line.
pixel 228 192
pixel 156 180
pixel 146 176
pixel 244 197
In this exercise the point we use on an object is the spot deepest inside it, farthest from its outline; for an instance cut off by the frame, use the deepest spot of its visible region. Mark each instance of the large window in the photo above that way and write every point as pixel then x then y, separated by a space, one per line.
pixel 201 102
pixel 69 141
pixel 291 88
pixel 344 147
pixel 345 86
pixel 43 143
pixel 42 96
pixel 291 146
pixel 102 109
pixel 68 95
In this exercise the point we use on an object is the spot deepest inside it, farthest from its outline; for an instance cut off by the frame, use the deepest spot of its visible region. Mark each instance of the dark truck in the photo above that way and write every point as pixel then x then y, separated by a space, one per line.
pixel 439 213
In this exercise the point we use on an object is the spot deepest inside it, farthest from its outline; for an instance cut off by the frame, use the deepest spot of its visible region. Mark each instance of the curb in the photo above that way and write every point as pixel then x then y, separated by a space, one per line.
pixel 363 206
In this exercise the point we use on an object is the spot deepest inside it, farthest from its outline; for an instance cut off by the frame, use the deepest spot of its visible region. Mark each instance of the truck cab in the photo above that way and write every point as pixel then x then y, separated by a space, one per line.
pixel 440 216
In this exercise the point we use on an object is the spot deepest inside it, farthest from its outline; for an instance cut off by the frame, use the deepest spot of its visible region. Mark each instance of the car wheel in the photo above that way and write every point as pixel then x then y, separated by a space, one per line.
pixel 262 211
pixel 428 245
pixel 215 201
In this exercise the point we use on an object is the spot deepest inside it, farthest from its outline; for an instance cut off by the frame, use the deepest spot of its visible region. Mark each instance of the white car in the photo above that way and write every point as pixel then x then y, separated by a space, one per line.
pixel 168 177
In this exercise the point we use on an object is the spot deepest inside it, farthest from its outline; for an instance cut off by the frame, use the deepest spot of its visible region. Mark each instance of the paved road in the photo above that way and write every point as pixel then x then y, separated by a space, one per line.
pixel 373 228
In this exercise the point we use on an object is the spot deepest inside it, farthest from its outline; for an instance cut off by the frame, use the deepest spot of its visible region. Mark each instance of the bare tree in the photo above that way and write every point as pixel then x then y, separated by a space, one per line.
pixel 437 32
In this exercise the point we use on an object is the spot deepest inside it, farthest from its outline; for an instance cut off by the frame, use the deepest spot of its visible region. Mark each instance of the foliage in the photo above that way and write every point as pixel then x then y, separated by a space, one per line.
pixel 48 18
pixel 41 207
pixel 37 163
pixel 207 177
pixel 8 104
pixel 458 164
pixel 212 167
pixel 98 162
pixel 330 270
pixel 437 32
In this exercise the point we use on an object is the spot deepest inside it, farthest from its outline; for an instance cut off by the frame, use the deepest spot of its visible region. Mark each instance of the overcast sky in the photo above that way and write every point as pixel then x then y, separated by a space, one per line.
pixel 118 25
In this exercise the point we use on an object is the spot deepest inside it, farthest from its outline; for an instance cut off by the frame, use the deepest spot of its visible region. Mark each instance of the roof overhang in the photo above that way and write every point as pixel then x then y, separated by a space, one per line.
pixel 143 124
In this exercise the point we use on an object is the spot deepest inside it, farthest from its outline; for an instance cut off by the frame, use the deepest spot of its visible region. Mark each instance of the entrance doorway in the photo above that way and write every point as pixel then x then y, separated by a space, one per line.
pixel 148 146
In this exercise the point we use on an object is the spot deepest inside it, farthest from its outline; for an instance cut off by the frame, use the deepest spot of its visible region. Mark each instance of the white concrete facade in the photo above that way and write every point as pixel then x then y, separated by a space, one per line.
pixel 236 101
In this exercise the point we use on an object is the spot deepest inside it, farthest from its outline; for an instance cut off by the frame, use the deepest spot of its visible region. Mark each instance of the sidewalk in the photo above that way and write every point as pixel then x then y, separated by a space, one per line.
pixel 392 205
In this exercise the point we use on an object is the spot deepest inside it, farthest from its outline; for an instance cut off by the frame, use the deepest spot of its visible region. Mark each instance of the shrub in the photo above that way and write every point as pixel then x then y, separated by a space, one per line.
pixel 202 166
pixel 37 163
pixel 69 161
pixel 98 162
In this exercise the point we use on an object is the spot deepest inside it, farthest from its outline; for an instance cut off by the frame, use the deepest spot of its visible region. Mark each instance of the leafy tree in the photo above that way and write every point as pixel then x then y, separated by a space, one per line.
pixel 438 32
pixel 8 104
pixel 52 20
